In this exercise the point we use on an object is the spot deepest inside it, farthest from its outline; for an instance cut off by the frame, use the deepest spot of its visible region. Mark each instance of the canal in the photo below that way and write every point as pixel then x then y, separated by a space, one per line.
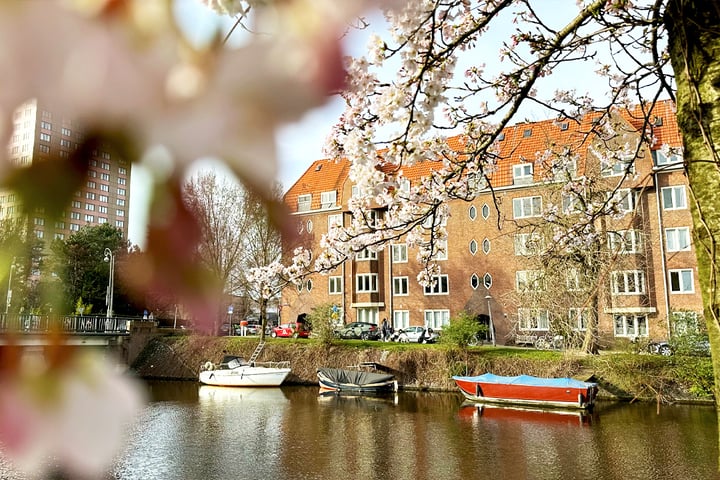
pixel 193 432
pixel 209 433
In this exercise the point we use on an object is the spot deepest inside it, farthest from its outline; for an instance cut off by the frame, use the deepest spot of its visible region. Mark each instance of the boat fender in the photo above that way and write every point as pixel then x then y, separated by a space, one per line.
pixel 208 366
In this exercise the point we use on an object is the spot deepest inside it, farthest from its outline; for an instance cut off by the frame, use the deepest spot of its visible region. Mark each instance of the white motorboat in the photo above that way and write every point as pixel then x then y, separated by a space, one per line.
pixel 234 371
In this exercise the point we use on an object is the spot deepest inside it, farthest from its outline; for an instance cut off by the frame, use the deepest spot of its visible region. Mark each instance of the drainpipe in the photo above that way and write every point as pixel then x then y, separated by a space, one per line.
pixel 662 251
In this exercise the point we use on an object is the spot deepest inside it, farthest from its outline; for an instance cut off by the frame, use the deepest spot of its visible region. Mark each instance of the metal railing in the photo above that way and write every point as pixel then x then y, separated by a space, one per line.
pixel 80 324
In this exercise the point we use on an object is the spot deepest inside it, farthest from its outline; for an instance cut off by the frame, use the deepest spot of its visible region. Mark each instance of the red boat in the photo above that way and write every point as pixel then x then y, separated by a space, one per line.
pixel 528 390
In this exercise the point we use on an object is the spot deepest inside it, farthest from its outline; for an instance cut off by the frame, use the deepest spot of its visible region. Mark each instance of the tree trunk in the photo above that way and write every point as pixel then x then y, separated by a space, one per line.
pixel 695 54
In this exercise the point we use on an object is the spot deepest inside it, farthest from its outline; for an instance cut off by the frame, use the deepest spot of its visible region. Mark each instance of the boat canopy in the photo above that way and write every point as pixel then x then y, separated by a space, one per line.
pixel 528 380
pixel 232 361
pixel 354 377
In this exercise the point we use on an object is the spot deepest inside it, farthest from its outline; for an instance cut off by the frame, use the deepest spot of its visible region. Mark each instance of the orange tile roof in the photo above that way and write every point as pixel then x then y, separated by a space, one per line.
pixel 522 142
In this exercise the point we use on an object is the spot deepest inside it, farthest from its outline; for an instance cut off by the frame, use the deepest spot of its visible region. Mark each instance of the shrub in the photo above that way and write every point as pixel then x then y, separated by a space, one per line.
pixel 462 330
pixel 320 319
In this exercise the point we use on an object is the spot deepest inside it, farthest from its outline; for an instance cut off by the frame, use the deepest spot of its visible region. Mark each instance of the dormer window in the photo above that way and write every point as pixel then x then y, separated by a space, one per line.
pixel 522 174
pixel 328 199
pixel 564 126
pixel 527 132
pixel 304 202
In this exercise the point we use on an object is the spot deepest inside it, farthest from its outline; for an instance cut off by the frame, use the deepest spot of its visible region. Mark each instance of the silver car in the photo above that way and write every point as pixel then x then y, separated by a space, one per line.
pixel 413 334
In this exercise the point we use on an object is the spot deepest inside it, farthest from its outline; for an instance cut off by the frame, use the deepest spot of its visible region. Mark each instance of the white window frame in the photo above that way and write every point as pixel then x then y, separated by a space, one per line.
pixel 529 281
pixel 366 282
pixel 681 280
pixel 400 286
pixel 335 285
pixel 522 174
pixel 527 207
pixel 570 203
pixel 534 319
pixel 579 318
pixel 440 285
pixel 401 319
pixel 335 220
pixel 628 282
pixel 328 199
pixel 625 199
pixel 399 252
pixel 618 167
pixel 630 326
pixel 673 197
pixel 441 252
pixel 625 241
pixel 437 318
pixel 366 254
pixel 677 239
pixel 367 314
pixel 527 244
pixel 304 202
pixel 662 159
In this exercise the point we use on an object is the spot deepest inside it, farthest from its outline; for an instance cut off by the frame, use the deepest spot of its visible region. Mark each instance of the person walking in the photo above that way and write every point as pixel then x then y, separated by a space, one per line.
pixel 384 330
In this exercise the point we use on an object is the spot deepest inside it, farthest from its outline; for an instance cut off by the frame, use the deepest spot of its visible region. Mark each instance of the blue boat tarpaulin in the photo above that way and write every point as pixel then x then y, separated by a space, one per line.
pixel 527 380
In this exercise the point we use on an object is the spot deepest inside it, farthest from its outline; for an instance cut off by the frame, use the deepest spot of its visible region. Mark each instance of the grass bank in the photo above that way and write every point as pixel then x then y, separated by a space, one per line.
pixel 624 376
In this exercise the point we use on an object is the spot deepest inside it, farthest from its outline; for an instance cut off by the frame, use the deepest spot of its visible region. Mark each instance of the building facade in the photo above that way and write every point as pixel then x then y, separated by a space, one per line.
pixel 636 276
pixel 41 134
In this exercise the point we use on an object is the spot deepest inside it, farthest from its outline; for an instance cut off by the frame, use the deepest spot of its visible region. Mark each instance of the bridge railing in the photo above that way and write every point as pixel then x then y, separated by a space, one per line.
pixel 28 323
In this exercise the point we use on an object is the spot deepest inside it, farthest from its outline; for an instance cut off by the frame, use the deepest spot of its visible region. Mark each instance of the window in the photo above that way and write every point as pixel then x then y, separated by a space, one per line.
pixel 120 213
pixel 486 246
pixel 119 224
pixel 66 131
pixel 46 125
pixel 617 166
pixel 473 247
pixel 438 285
pixel 366 254
pixel 401 319
pixel 527 207
pixel 121 191
pixel 104 198
pixel 529 281
pixel 91 184
pixel 304 202
pixel 44 137
pixel 75 215
pixel 673 198
pixel 43 148
pixel 105 165
pixel 89 218
pixel 327 199
pixel 39 234
pixel 90 207
pixel 571 203
pixel 120 202
pixel 59 236
pixel 121 181
pixel 474 281
pixel 485 211
pixel 623 200
pixel 681 281
pixel 625 241
pixel 572 280
pixel 487 281
pixel 309 285
pixel 102 220
pixel 528 244
pixel 335 285
pixel 630 325
pixel 335 220
pixel 400 285
pixel 39 221
pixel 74 227
pixel 104 187
pixel 666 159
pixel 309 226
pixel 366 283
pixel 122 170
pixel 106 156
pixel 399 253
pixel 90 195
pixel 628 282
pixel 677 239
pixel 522 174
pixel 441 252
pixel 65 143
pixel 472 212
pixel 533 319
pixel 368 314
pixel 436 319
pixel 579 318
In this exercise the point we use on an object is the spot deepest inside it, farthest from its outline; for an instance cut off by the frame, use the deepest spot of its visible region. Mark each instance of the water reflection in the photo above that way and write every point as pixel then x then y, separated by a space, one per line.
pixel 294 433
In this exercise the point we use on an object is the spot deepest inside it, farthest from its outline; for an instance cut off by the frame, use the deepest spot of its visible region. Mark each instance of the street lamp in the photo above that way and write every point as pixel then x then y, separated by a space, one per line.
pixel 492 327
pixel 110 258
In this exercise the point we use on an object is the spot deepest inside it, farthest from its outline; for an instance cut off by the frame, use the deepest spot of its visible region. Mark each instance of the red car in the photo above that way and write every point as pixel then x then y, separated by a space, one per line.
pixel 288 330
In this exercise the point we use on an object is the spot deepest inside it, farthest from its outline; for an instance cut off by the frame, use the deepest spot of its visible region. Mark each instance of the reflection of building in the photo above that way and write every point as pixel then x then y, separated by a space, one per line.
pixel 104 197
pixel 647 269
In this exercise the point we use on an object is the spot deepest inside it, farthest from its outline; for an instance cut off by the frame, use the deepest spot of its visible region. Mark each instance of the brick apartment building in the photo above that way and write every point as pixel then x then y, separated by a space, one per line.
pixel 40 134
pixel 645 282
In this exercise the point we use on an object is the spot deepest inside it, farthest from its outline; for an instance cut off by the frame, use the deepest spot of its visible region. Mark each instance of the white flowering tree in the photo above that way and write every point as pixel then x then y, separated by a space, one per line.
pixel 472 68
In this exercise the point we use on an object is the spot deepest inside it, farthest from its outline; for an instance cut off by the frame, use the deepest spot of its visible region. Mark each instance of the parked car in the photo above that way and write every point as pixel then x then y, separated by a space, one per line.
pixel 361 330
pixel 415 333
pixel 253 327
pixel 697 347
pixel 287 330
